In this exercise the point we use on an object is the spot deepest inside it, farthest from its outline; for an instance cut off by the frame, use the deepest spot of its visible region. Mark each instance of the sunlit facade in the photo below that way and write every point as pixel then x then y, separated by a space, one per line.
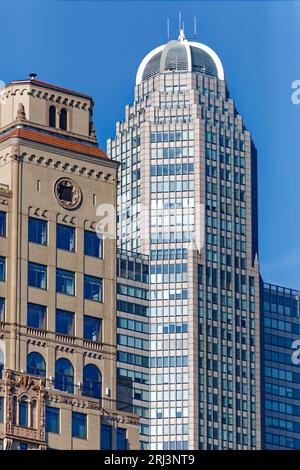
pixel 188 199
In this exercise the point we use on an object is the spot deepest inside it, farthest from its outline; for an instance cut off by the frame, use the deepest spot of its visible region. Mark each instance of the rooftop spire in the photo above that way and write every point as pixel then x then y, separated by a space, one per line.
pixel 181 36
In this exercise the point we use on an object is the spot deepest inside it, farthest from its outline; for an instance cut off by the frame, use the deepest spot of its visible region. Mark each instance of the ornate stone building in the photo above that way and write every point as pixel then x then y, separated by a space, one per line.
pixel 57 276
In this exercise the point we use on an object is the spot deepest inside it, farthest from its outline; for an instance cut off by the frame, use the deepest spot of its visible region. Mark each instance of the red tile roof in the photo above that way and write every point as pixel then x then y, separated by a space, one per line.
pixel 54 141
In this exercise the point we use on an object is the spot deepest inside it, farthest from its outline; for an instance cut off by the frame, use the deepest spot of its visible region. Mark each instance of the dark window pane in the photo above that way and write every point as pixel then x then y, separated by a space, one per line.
pixel 23 413
pixel 37 231
pixel 36 316
pixel 2 268
pixel 106 437
pixel 64 322
pixel 52 419
pixel 79 427
pixel 23 446
pixel 1 362
pixel 121 439
pixel 92 328
pixel 65 237
pixel 52 116
pixel 36 364
pixel 37 275
pixel 65 282
pixel 63 124
pixel 93 288
pixel 92 244
pixel 2 309
pixel 92 382
pixel 1 409
pixel 2 224
pixel 64 375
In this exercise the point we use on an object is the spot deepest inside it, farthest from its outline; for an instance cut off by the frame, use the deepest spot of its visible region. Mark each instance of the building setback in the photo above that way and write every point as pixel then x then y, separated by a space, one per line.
pixel 57 277
pixel 188 170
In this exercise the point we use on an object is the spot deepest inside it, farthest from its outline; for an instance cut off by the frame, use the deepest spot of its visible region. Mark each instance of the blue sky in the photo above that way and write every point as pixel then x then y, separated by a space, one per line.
pixel 96 46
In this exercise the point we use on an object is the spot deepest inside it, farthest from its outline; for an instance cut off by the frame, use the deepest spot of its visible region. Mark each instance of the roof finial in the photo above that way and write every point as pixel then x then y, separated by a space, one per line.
pixel 181 36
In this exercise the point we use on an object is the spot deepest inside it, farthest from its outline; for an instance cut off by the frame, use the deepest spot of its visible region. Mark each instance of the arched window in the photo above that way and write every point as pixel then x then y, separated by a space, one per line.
pixel 92 381
pixel 36 364
pixel 63 118
pixel 64 375
pixel 52 116
pixel 1 363
pixel 23 412
pixel 33 417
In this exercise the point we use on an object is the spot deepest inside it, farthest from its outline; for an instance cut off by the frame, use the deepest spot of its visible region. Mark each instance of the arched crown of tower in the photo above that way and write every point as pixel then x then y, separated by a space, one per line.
pixel 180 55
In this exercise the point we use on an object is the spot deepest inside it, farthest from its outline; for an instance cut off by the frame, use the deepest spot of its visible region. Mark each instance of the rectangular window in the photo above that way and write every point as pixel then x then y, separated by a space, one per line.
pixel 2 224
pixel 37 231
pixel 93 288
pixel 2 309
pixel 106 437
pixel 37 275
pixel 121 439
pixel 65 237
pixel 1 409
pixel 65 282
pixel 79 425
pixel 64 322
pixel 2 268
pixel 93 244
pixel 36 316
pixel 92 328
pixel 52 419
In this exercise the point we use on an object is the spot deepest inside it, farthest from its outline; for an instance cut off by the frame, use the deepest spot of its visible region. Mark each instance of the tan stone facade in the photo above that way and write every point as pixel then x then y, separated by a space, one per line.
pixel 56 174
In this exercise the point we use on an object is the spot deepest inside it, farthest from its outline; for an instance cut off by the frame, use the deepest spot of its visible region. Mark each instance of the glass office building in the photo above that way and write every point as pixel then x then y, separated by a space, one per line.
pixel 281 343
pixel 133 338
pixel 188 199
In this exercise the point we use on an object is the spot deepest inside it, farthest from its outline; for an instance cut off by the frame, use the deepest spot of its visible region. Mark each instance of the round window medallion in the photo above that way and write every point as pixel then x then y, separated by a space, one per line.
pixel 67 193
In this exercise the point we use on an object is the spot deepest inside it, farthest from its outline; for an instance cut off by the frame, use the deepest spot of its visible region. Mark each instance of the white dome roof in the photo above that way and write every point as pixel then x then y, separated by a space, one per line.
pixel 181 55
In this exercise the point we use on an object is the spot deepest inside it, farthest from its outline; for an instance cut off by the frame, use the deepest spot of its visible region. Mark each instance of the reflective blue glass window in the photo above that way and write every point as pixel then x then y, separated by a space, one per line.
pixel 106 437
pixel 79 425
pixel 65 282
pixel 36 316
pixel 93 288
pixel 92 244
pixel 92 381
pixel 52 419
pixel 92 328
pixel 37 275
pixel 37 231
pixel 2 309
pixel 2 224
pixel 64 322
pixel 36 364
pixel 65 237
pixel 64 375
pixel 121 439
pixel 23 412
pixel 2 268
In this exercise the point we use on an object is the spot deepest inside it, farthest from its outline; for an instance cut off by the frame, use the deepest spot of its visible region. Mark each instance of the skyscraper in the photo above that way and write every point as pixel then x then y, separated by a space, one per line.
pixel 188 199
pixel 280 354
pixel 57 276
